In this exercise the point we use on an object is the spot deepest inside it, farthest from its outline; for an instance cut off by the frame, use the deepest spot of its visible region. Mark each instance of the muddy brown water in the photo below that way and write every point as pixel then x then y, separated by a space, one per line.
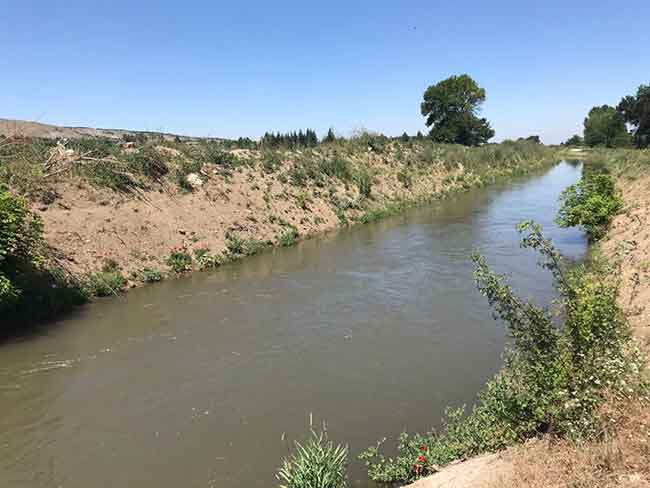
pixel 195 382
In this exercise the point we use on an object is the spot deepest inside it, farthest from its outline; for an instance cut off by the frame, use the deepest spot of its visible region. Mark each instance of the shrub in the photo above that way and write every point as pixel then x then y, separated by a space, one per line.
pixel 205 260
pixel 591 204
pixel 179 260
pixel 319 463
pixel 236 247
pixel 554 378
pixel 288 237
pixel 20 239
pixel 148 275
pixel 104 283
pixel 31 288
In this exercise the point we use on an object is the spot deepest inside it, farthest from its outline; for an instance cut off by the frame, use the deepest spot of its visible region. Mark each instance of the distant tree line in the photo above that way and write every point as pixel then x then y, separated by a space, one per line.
pixel 627 124
pixel 290 140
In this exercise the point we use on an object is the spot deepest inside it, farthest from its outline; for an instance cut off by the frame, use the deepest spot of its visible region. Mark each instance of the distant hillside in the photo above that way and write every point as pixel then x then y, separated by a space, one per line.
pixel 25 128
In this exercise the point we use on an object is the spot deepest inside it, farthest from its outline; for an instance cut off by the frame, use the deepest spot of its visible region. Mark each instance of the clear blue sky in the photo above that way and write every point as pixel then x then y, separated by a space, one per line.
pixel 231 68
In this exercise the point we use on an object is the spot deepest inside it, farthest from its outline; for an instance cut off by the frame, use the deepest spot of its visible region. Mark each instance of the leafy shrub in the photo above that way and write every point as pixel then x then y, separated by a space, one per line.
pixel 236 247
pixel 591 204
pixel 31 288
pixel 148 275
pixel 319 463
pixel 288 237
pixel 104 283
pixel 554 378
pixel 179 260
pixel 20 239
pixel 20 236
pixel 205 260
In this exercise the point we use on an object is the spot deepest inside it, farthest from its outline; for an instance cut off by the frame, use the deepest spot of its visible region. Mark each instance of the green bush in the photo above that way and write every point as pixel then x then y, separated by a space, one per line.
pixel 148 275
pixel 179 260
pixel 31 288
pixel 205 260
pixel 592 203
pixel 319 463
pixel 288 237
pixel 20 240
pixel 236 247
pixel 554 378
pixel 104 283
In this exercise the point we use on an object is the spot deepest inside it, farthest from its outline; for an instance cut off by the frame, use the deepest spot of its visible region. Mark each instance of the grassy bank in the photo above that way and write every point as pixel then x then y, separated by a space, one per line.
pixel 116 214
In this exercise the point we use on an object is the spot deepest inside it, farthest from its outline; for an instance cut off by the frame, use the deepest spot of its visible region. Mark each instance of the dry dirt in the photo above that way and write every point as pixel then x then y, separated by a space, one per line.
pixel 87 226
pixel 621 459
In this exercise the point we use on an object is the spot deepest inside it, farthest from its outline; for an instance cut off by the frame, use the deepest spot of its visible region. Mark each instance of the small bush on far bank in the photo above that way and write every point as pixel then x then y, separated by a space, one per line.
pixel 148 275
pixel 179 261
pixel 104 283
pixel 592 203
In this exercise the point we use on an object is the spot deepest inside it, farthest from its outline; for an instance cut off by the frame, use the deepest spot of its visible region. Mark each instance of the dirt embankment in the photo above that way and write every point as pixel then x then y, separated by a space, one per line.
pixel 620 459
pixel 88 226
pixel 258 196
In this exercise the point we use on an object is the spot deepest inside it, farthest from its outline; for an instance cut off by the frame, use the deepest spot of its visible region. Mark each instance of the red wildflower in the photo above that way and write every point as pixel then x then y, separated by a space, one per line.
pixel 423 448
pixel 422 459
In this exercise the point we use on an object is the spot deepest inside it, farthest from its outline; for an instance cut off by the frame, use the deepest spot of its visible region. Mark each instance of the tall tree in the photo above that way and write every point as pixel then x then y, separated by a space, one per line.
pixel 451 109
pixel 635 110
pixel 330 137
pixel 604 126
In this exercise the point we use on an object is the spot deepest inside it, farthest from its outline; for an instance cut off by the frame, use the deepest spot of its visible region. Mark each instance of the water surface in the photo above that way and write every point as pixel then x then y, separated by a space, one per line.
pixel 195 382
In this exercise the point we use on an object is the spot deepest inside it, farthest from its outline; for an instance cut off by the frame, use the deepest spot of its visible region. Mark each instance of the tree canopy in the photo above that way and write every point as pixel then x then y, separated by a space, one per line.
pixel 451 109
pixel 604 126
pixel 635 110
pixel 574 140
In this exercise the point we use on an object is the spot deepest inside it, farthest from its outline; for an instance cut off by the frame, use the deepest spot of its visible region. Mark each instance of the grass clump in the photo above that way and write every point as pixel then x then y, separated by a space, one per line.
pixel 554 380
pixel 364 181
pixel 319 463
pixel 592 203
